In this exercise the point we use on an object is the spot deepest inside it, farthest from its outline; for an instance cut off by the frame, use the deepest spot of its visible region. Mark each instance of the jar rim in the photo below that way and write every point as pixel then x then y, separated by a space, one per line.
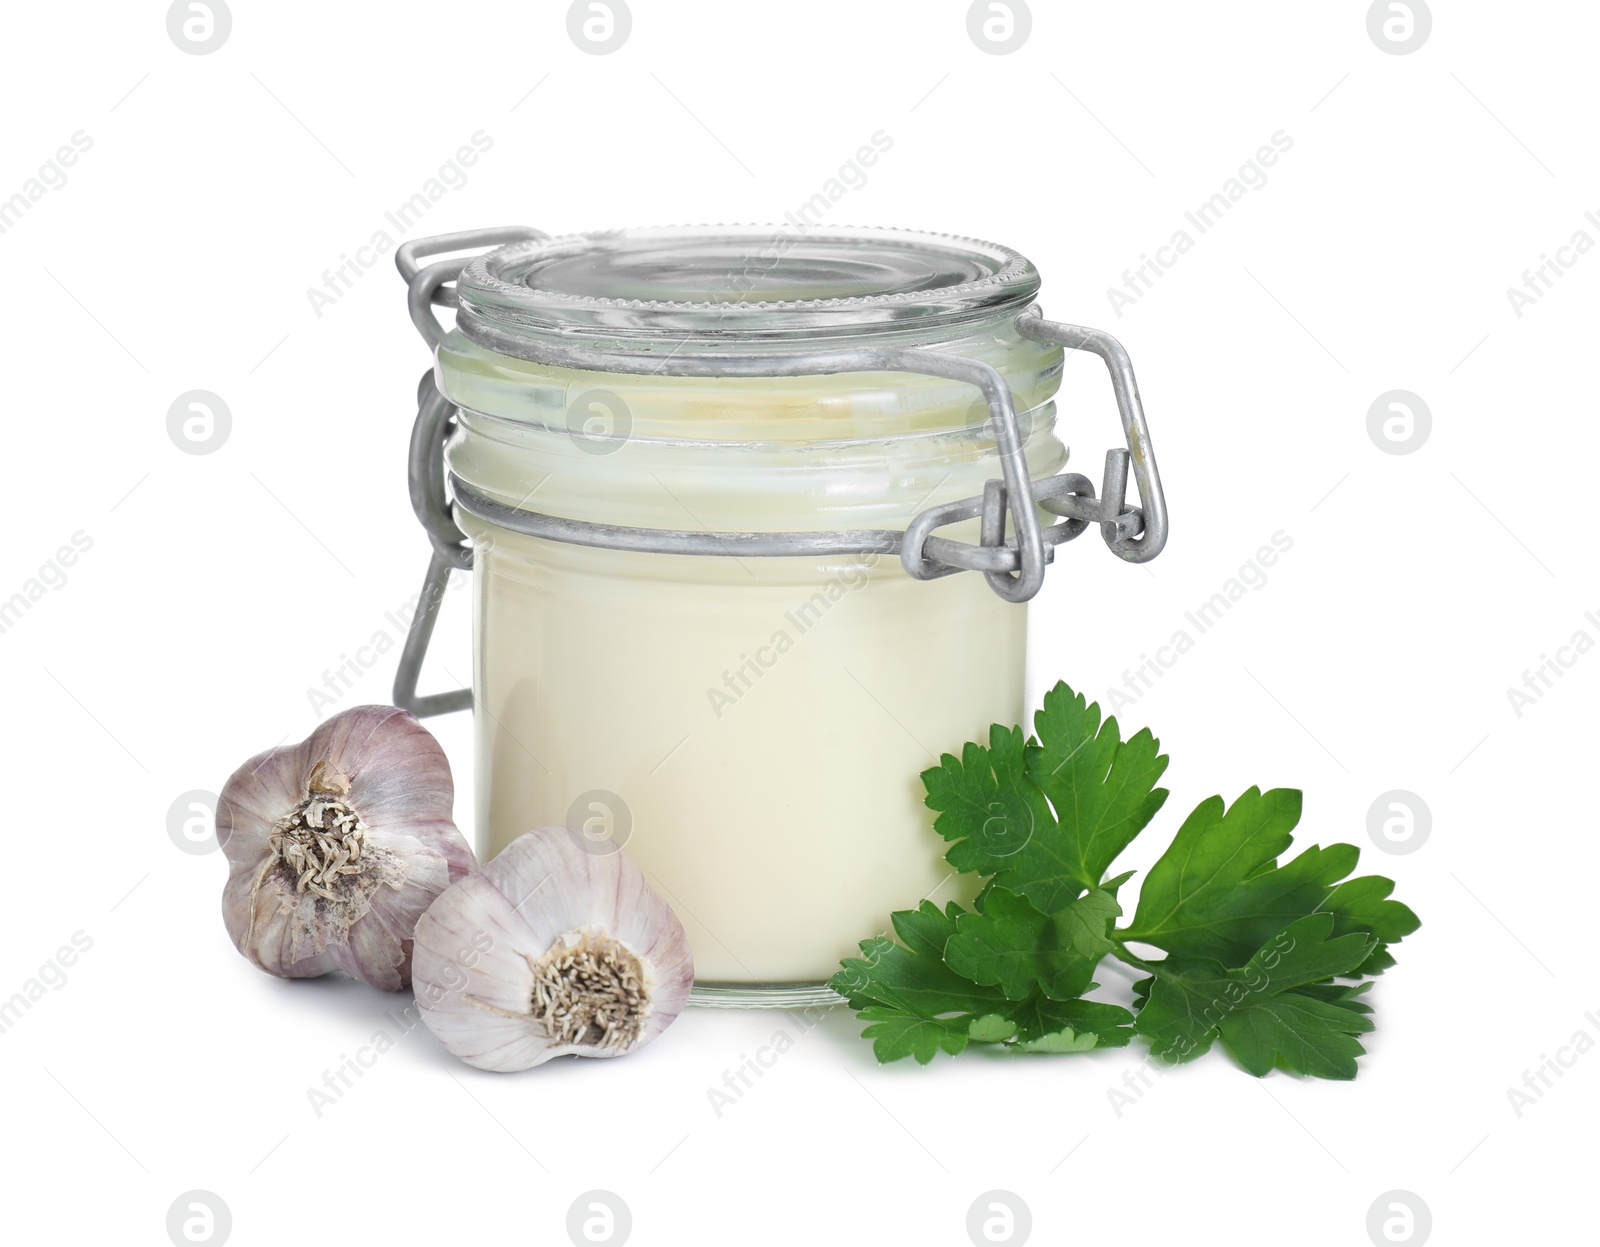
pixel 725 284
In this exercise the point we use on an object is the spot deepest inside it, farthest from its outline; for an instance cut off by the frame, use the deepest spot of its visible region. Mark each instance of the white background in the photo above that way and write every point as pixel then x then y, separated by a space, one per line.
pixel 220 587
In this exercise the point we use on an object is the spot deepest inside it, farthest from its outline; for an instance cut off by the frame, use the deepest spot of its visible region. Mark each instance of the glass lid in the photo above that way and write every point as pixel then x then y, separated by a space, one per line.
pixel 721 283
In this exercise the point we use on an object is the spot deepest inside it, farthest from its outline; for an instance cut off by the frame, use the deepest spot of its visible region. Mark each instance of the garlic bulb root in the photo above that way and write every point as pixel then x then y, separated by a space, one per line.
pixel 550 950
pixel 337 845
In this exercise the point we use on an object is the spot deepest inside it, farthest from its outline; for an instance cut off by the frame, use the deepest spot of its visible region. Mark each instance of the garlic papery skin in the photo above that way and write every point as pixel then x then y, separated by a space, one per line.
pixel 551 949
pixel 337 845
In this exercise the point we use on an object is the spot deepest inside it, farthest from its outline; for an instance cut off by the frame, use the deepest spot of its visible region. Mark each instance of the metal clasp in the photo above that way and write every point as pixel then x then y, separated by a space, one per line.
pixel 1126 543
pixel 429 286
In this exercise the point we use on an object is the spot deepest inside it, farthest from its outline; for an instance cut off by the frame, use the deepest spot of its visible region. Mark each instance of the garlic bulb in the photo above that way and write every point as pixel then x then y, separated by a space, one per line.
pixel 550 949
pixel 337 845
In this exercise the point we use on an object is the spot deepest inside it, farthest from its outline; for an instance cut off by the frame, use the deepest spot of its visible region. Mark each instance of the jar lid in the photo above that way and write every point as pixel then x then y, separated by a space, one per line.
pixel 710 284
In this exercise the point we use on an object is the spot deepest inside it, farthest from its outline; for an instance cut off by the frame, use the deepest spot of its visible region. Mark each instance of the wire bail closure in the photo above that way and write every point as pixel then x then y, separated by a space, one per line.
pixel 1012 565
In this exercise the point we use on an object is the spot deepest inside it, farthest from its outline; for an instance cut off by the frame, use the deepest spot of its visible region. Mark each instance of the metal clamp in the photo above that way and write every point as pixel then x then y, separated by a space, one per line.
pixel 1013 566
pixel 428 285
pixel 1152 510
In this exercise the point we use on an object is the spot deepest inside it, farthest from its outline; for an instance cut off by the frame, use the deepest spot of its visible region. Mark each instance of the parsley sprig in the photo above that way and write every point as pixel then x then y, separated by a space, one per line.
pixel 1272 959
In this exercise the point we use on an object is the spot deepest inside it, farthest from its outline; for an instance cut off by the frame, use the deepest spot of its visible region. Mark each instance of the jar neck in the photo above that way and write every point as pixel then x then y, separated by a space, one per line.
pixel 743 453
pixel 836 407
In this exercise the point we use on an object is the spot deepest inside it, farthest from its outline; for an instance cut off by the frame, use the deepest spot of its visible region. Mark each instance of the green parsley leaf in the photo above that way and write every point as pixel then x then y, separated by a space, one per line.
pixel 991 1028
pixel 1039 1017
pixel 1347 996
pixel 1298 1034
pixel 1085 924
pixel 1102 788
pixel 986 803
pixel 914 1003
pixel 1257 1011
pixel 992 802
pixel 912 975
pixel 895 1034
pixel 1059 1041
pixel 1364 904
pixel 1218 892
pixel 1010 944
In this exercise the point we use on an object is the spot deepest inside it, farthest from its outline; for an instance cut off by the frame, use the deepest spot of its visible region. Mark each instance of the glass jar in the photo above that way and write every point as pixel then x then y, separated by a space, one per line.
pixel 684 459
